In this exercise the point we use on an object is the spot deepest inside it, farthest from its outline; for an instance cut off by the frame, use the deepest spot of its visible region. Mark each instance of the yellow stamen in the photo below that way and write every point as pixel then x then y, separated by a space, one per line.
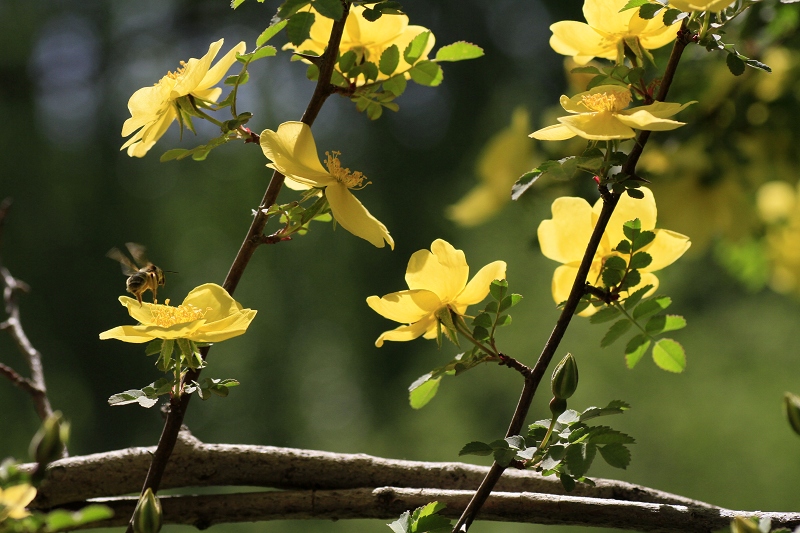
pixel 178 72
pixel 352 180
pixel 607 101
pixel 165 315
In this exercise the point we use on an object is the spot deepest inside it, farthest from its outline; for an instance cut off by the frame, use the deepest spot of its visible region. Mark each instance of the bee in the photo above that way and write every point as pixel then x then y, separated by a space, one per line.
pixel 140 278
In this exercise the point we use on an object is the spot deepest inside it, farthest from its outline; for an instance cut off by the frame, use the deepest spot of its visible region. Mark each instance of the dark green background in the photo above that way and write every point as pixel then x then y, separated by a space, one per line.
pixel 311 376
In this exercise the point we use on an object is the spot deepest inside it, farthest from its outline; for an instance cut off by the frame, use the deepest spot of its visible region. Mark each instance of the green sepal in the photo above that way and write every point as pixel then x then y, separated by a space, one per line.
pixel 164 362
pixel 153 347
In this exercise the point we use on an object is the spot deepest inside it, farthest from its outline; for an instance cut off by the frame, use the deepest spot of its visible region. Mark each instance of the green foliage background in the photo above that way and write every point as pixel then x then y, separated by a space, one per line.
pixel 311 376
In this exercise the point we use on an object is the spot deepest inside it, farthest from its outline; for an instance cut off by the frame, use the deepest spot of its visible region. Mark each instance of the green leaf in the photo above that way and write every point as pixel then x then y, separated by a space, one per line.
pixel 458 51
pixel 427 73
pixel 669 355
pixel 757 64
pixel 504 456
pixel 635 193
pixel 632 279
pixel 395 85
pixel 153 347
pixel 508 302
pixel 648 11
pixel 270 32
pixel 491 307
pixel 498 289
pixel 585 70
pixel 663 323
pixel 604 315
pixel 503 320
pixel 331 9
pixel 651 307
pixel 483 320
pixel 416 47
pixel 480 333
pixel 632 228
pixel 643 239
pixel 671 16
pixel 298 28
pixel 421 392
pixel 614 407
pixel 617 330
pixel 63 519
pixel 615 262
pixel 236 3
pixel 579 457
pixel 374 111
pixel 635 349
pixel 633 3
pixel 607 435
pixel 402 524
pixel 476 448
pixel 611 277
pixel 290 7
pixel 175 153
pixel 132 396
pixel 641 260
pixel 390 58
pixel 616 455
pixel 264 51
pixel 636 297
pixel 525 182
pixel 735 65
pixel 567 481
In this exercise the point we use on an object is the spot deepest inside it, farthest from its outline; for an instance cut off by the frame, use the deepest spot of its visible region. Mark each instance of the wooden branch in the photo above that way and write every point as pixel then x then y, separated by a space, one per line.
pixel 195 464
pixel 388 503
pixel 35 385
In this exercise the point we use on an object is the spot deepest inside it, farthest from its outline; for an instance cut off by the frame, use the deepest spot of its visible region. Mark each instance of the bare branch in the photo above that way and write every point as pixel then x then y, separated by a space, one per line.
pixel 389 502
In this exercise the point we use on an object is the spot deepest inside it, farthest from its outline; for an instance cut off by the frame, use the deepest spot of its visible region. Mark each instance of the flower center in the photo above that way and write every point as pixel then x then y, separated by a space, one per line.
pixel 179 72
pixel 165 315
pixel 352 180
pixel 607 101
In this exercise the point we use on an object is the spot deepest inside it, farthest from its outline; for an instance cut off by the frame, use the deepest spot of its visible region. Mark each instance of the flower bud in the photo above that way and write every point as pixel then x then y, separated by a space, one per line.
pixel 792 404
pixel 565 378
pixel 147 515
pixel 49 442
pixel 558 406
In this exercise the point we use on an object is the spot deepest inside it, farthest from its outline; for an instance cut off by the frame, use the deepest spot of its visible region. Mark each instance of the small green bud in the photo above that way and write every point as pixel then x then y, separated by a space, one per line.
pixel 791 403
pixel 147 515
pixel 744 525
pixel 565 378
pixel 49 442
pixel 558 406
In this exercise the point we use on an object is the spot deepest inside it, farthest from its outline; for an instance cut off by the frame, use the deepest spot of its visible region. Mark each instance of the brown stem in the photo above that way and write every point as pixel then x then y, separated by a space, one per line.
pixel 576 293
pixel 253 239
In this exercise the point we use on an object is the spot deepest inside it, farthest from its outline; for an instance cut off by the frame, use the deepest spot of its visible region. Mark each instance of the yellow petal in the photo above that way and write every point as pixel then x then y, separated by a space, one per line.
pixel 563 278
pixel 648 278
pixel 209 95
pixel 557 132
pixel 601 126
pixel 629 208
pixel 141 313
pixel 443 270
pixel 478 287
pixel 354 217
pixel 294 153
pixel 218 71
pixel 642 120
pixel 605 15
pixel 194 71
pixel 700 5
pixel 577 39
pixel 127 334
pixel 476 207
pixel 407 333
pixel 145 105
pixel 214 299
pixel 652 39
pixel 405 306
pixel 666 248
pixel 15 499
pixel 564 237
pixel 226 328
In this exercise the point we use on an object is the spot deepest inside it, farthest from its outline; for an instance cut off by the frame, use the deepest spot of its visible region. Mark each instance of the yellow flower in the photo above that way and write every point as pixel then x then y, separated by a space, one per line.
pixel 208 314
pixel 14 499
pixel 606 29
pixel 564 238
pixel 367 39
pixel 600 115
pixel 700 5
pixel 437 280
pixel 154 108
pixel 778 205
pixel 294 154
pixel 505 158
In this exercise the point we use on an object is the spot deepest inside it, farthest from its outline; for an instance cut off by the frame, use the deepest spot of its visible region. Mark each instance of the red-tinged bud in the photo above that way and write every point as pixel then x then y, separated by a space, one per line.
pixel 147 515
pixel 565 378
pixel 596 179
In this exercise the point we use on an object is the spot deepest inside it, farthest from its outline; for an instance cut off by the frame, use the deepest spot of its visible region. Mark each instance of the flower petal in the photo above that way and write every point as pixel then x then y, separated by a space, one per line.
pixel 226 328
pixel 294 153
pixel 605 16
pixel 564 237
pixel 629 208
pixel 600 126
pixel 642 120
pixel 214 299
pixel 193 72
pixel 127 334
pixel 577 39
pixel 354 217
pixel 406 333
pixel 666 248
pixel 443 270
pixel 218 71
pixel 478 287
pixel 405 306
pixel 556 132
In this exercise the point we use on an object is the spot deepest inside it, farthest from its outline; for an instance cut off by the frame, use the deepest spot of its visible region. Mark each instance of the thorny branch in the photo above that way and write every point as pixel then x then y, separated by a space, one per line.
pixel 578 290
pixel 35 385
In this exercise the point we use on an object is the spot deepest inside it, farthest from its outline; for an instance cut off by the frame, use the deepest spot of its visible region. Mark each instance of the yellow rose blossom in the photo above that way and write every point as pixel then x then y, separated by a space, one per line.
pixel 154 108
pixel 778 205
pixel 600 115
pixel 506 157
pixel 293 153
pixel 437 280
pixel 564 238
pixel 700 5
pixel 14 499
pixel 367 39
pixel 606 30
pixel 207 314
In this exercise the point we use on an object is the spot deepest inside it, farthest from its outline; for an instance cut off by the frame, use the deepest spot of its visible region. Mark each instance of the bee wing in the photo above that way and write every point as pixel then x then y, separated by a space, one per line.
pixel 138 253
pixel 128 267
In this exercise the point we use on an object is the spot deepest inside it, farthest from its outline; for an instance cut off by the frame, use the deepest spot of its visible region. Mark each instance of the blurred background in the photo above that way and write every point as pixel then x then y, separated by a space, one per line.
pixel 311 375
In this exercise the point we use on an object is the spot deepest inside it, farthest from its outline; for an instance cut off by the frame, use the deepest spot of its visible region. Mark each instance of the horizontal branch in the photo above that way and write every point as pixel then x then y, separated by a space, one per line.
pixel 388 503
pixel 195 464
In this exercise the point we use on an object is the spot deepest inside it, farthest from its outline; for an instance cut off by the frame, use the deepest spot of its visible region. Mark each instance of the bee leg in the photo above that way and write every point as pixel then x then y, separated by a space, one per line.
pixel 139 297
